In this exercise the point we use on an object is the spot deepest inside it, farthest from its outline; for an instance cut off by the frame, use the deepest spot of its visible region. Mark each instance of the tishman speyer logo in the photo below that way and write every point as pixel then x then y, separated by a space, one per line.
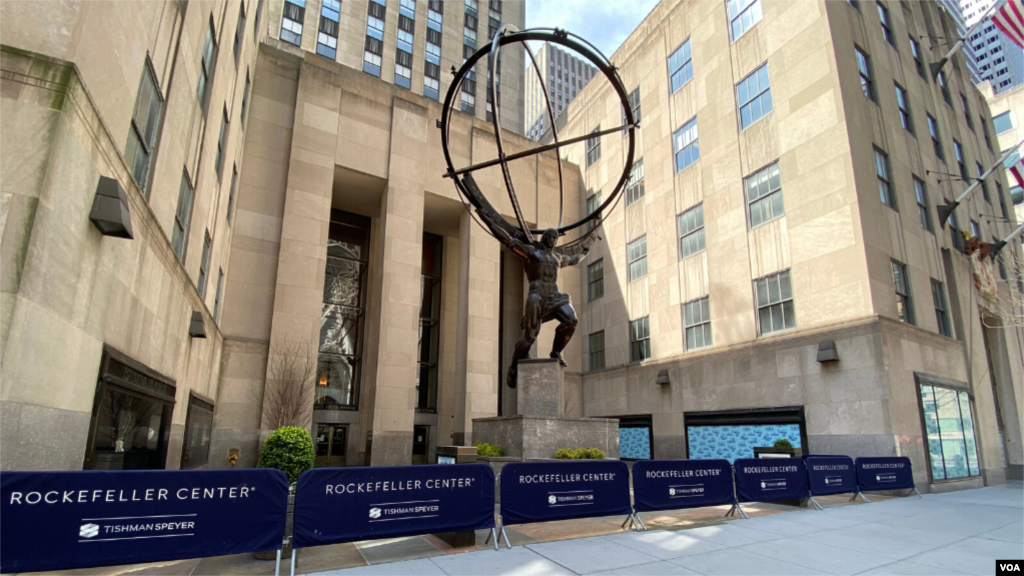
pixel 137 527
pixel 374 512
pixel 410 510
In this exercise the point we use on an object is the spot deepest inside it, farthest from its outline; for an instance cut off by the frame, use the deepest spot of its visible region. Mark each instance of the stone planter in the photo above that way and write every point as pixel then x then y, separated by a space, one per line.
pixel 286 550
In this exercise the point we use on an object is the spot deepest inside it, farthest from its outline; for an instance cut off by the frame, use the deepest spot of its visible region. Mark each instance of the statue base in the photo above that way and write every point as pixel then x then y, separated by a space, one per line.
pixel 541 427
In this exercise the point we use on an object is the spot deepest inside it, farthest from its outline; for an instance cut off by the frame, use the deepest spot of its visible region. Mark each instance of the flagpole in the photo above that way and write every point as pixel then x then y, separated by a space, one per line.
pixel 936 67
pixel 995 247
pixel 946 209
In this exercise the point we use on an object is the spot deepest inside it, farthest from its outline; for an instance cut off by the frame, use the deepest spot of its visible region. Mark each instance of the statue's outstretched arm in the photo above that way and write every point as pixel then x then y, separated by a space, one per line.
pixel 572 253
pixel 499 228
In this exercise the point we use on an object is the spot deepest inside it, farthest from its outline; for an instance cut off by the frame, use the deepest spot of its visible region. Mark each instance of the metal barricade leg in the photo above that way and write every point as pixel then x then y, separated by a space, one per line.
pixel 640 521
pixel 918 493
pixel 505 534
pixel 862 497
pixel 815 502
pixel 623 525
pixel 731 510
pixel 295 554
pixel 277 565
pixel 739 509
pixel 494 533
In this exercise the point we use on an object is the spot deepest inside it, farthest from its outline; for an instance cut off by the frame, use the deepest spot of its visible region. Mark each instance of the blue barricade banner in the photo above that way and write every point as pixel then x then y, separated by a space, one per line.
pixel 334 505
pixel 884 473
pixel 768 479
pixel 544 491
pixel 831 475
pixel 673 484
pixel 65 520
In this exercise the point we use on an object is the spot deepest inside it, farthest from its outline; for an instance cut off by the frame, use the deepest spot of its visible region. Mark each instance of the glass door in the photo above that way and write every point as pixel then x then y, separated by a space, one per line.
pixel 330 444
pixel 420 442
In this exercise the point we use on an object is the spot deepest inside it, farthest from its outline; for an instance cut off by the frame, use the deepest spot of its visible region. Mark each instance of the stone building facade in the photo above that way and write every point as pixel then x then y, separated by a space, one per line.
pixel 701 318
pixel 783 204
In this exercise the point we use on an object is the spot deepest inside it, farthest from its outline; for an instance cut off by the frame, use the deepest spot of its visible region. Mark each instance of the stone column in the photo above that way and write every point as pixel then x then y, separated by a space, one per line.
pixel 399 239
pixel 298 294
pixel 476 364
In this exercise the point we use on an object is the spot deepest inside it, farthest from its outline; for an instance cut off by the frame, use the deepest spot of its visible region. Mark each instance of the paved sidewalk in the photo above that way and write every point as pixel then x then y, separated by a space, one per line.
pixel 955 533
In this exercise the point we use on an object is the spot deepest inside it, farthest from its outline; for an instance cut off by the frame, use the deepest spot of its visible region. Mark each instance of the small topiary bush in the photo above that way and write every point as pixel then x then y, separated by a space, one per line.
pixel 485 449
pixel 289 450
pixel 783 443
pixel 579 454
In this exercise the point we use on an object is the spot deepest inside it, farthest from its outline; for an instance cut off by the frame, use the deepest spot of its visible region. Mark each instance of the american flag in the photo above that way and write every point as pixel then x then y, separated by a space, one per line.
pixel 1014 165
pixel 1010 19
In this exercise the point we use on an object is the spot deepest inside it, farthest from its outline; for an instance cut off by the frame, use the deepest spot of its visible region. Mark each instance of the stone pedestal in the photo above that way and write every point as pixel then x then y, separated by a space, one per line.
pixel 539 388
pixel 541 426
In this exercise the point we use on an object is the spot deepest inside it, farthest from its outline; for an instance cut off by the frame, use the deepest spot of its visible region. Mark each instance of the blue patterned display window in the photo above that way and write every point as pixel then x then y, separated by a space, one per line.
pixel 949 426
pixel 732 442
pixel 635 443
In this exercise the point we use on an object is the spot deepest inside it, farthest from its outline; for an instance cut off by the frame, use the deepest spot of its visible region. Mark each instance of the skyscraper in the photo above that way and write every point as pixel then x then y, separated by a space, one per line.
pixel 565 75
pixel 995 57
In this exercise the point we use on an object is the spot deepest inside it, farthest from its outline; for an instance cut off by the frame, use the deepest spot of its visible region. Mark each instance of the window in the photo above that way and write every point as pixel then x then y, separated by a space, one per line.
pixel 430 323
pixel 933 130
pixel 967 111
pixel 755 97
pixel 138 152
pixel 239 32
pixel 949 426
pixel 945 88
pixel 204 265
pixel 403 68
pixel 975 229
pixel 219 295
pixel 915 49
pixel 634 105
pixel 431 79
pixel 923 214
pixel 373 47
pixel 697 323
pixel 743 14
pixel 198 429
pixel 904 301
pixel 883 16
pixel 774 303
pixel 291 23
pixel 885 190
pixel 636 255
pixel 206 66
pixel 593 203
pixel 595 280
pixel 941 310
pixel 687 149
pixel 327 35
pixel 245 99
pixel 955 233
pixel 372 56
pixel 764 195
pixel 344 301
pixel 984 132
pixel 222 144
pixel 256 22
pixel 597 351
pixel 984 185
pixel 179 237
pixel 231 192
pixel 690 225
pixel 680 66
pixel 1002 200
pixel 635 184
pixel 593 148
pixel 640 339
pixel 1003 122
pixel 958 152
pixel 867 82
pixel 904 104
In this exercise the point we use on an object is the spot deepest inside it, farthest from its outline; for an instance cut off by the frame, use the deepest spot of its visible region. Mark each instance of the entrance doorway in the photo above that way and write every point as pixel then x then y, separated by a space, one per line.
pixel 420 442
pixel 331 440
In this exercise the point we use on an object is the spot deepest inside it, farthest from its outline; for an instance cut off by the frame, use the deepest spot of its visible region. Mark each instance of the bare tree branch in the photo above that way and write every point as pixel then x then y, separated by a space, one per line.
pixel 291 379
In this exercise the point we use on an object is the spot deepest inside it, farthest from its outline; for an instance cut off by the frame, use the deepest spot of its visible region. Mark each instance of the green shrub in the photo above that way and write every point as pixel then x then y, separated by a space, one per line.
pixel 783 443
pixel 490 450
pixel 579 454
pixel 289 450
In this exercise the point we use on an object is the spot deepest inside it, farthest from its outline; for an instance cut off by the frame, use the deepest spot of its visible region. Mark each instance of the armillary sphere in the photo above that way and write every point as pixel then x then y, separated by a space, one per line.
pixel 462 177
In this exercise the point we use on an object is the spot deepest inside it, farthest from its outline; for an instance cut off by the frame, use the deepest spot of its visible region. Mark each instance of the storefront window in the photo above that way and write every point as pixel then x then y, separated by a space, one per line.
pixel 949 426
pixel 341 322
pixel 430 324
pixel 196 451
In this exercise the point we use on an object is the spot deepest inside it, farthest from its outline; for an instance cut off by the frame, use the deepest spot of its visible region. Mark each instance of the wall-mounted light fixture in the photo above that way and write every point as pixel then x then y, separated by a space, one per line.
pixel 663 378
pixel 196 328
pixel 827 351
pixel 110 209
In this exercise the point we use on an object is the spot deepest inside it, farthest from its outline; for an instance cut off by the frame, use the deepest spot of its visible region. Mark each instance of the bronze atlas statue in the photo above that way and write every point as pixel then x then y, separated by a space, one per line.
pixel 543 256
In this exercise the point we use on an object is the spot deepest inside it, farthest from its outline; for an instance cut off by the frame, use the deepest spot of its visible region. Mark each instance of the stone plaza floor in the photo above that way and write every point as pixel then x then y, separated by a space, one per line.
pixel 961 532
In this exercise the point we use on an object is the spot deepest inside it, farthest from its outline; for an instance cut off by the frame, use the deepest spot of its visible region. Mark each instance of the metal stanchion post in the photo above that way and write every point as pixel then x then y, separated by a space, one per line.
pixel 277 565
pixel 295 554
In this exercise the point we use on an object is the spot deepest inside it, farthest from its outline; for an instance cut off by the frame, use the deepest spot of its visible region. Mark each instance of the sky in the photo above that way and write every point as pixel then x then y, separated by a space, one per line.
pixel 604 23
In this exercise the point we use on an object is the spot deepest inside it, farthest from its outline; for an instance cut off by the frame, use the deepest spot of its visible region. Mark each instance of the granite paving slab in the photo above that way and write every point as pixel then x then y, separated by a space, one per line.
pixel 732 534
pixel 519 561
pixel 663 568
pixel 421 567
pixel 662 544
pixel 735 561
pixel 971 556
pixel 588 555
pixel 822 557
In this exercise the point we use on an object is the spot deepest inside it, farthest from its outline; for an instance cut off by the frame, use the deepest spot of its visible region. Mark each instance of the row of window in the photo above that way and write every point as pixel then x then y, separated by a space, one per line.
pixel 773 300
pixel 143 137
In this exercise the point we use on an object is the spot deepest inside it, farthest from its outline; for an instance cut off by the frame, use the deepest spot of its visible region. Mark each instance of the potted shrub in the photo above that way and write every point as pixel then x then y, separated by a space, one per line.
pixel 290 450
